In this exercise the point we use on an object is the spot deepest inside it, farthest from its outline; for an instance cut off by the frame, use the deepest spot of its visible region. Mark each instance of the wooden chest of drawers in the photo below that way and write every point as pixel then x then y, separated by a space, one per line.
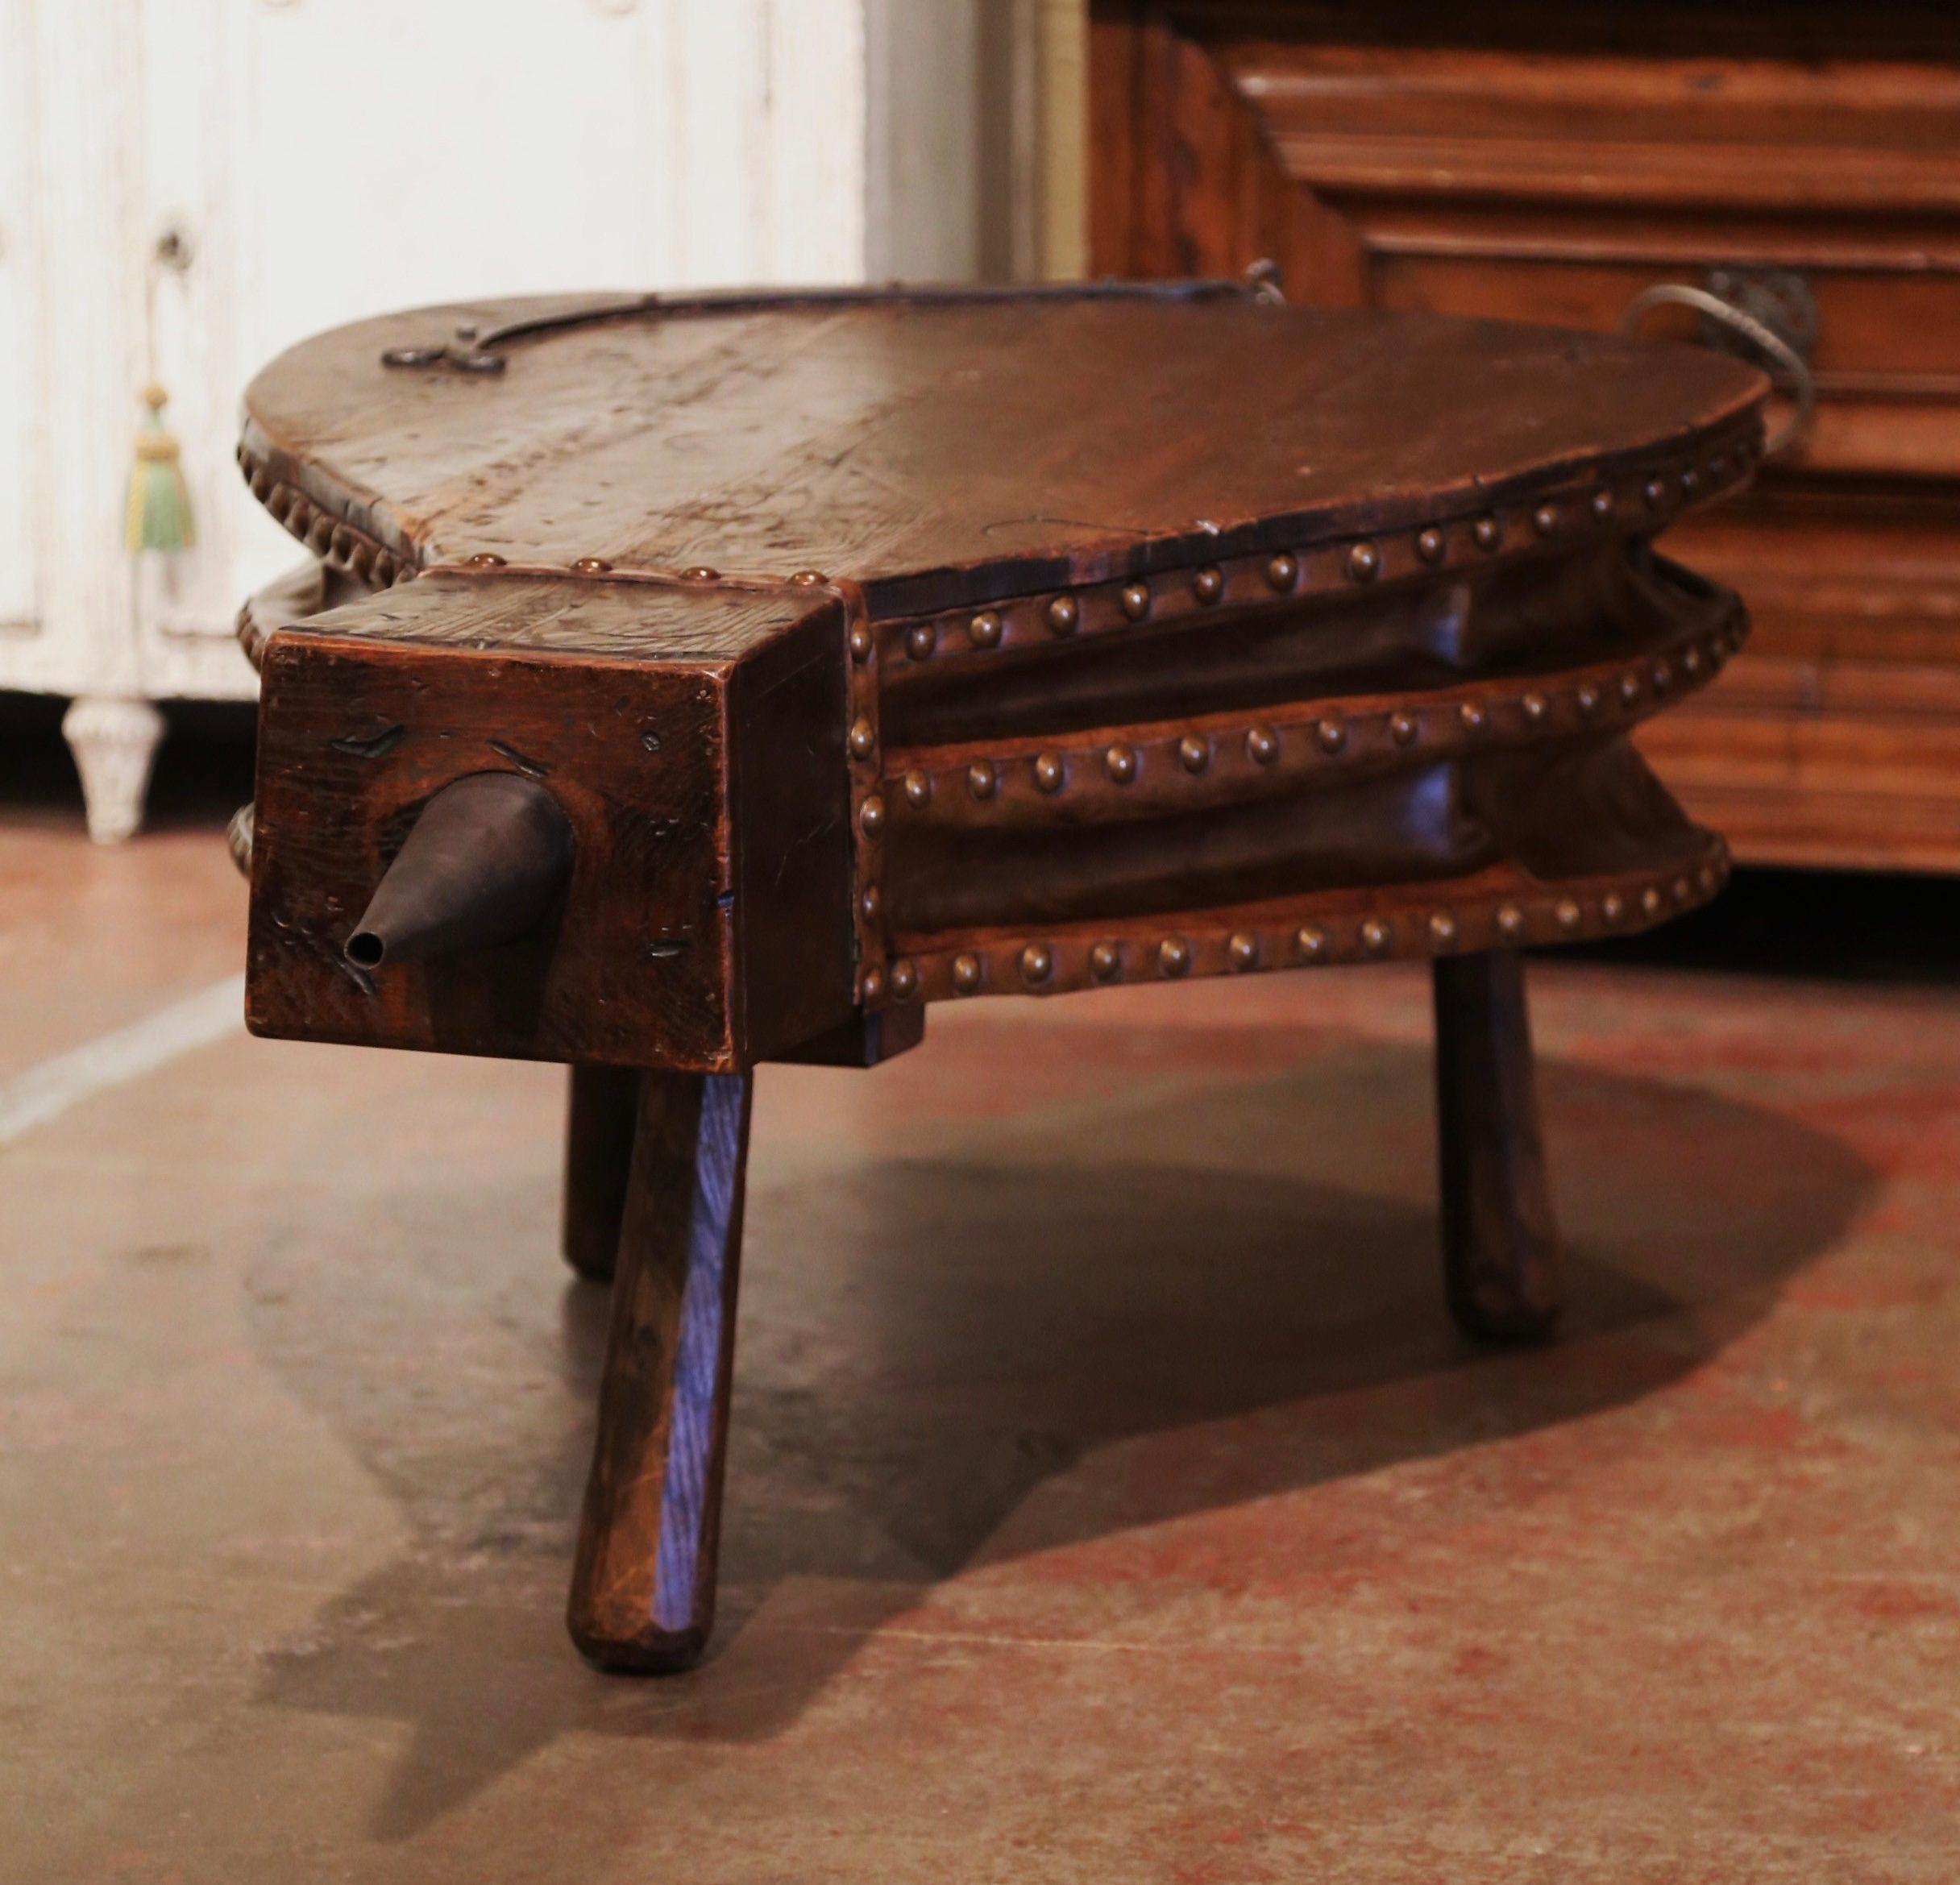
pixel 1549 163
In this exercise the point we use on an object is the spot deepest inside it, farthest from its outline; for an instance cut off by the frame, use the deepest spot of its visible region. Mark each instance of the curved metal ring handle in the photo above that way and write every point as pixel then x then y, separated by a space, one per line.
pixel 1766 341
pixel 238 839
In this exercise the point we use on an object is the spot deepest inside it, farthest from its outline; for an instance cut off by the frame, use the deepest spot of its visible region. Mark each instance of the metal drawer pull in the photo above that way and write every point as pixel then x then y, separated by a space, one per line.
pixel 1802 383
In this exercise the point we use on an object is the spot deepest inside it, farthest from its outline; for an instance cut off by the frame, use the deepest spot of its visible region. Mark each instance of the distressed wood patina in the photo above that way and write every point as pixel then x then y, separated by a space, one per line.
pixel 842 653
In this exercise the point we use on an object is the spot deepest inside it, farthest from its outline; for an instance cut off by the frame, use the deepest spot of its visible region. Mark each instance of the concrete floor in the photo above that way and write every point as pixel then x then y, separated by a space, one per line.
pixel 1110 1497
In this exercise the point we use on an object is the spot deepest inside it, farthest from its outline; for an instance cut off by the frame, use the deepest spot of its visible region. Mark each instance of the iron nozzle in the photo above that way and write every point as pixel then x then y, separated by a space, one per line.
pixel 483 863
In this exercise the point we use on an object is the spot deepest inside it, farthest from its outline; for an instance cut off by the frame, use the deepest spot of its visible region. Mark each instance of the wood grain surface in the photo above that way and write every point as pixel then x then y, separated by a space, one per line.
pixel 643 1584
pixel 945 453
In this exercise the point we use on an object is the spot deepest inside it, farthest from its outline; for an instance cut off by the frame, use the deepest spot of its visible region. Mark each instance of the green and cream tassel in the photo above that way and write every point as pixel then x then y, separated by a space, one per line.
pixel 158 517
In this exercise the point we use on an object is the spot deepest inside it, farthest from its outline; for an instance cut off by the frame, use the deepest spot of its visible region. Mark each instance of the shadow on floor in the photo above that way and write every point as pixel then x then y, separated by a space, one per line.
pixel 1152 1309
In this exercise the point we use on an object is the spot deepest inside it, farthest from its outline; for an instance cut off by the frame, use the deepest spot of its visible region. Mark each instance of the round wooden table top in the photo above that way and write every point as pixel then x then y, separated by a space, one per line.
pixel 949 448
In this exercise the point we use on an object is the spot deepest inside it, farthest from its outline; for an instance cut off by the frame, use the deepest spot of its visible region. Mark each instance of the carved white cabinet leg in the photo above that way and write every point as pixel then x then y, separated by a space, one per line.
pixel 114 741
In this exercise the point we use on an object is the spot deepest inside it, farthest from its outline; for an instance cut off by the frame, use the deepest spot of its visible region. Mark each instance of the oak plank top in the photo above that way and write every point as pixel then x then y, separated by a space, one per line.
pixel 525 615
pixel 945 449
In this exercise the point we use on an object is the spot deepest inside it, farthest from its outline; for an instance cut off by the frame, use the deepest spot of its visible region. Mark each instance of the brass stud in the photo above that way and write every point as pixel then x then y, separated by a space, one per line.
pixel 1311 943
pixel 1050 774
pixel 920 639
pixel 1262 746
pixel 1708 877
pixel 1690 480
pixel 1064 613
pixel 980 779
pixel 1375 936
pixel 1208 585
pixel 1119 761
pixel 983 631
pixel 1402 729
pixel 1105 960
pixel 1443 929
pixel 869 902
pixel 1173 955
pixel 700 572
pixel 1567 913
pixel 808 578
pixel 1654 492
pixel 904 980
pixel 1135 600
pixel 966 973
pixel 1536 707
pixel 1545 520
pixel 484 560
pixel 1683 891
pixel 1430 544
pixel 1282 572
pixel 1718 468
pixel 1332 735
pixel 1662 676
pixel 1471 715
pixel 1243 950
pixel 872 987
pixel 590 566
pixel 1488 532
pixel 863 741
pixel 1194 754
pixel 1613 906
pixel 871 815
pixel 1511 919
pixel 860 642
pixel 1363 562
pixel 918 790
pixel 1650 900
pixel 1629 688
pixel 1586 696
pixel 1601 504
pixel 1036 962
pixel 1691 661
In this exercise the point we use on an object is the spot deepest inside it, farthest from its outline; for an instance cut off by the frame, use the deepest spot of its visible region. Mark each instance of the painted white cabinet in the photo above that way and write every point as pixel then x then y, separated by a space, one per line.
pixel 317 161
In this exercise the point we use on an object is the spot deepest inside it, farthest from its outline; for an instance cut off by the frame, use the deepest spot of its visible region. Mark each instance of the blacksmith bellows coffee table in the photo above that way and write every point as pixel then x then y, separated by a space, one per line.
pixel 693 683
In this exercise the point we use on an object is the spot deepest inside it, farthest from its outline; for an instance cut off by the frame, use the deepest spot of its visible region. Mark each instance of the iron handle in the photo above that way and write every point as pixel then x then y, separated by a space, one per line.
pixel 1796 369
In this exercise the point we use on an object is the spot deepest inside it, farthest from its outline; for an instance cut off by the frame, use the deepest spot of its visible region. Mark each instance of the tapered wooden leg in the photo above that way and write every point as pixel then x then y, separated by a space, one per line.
pixel 643 1587
pixel 1501 1260
pixel 598 1155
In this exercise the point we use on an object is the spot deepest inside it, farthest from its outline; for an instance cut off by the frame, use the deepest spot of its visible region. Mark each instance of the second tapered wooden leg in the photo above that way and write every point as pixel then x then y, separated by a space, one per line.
pixel 643 1585
pixel 1502 1263
pixel 598 1120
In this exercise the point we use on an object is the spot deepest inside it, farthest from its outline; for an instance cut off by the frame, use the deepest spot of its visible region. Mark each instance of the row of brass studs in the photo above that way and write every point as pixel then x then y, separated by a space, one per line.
pixel 861 743
pixel 1448 724
pixel 1348 562
pixel 1036 966
pixel 335 543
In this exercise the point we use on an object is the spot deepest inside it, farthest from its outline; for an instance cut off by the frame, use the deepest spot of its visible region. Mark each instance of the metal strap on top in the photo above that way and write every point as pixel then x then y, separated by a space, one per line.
pixel 472 350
